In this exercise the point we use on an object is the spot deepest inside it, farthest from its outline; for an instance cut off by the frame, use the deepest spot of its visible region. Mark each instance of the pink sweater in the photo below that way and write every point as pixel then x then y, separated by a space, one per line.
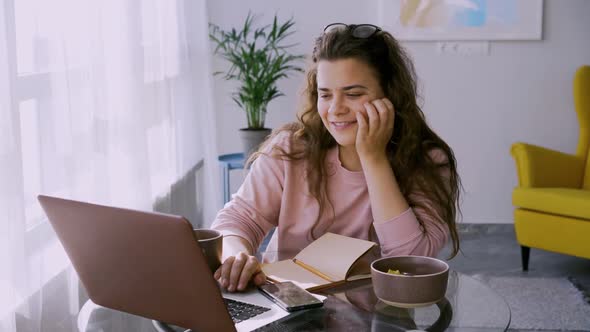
pixel 275 194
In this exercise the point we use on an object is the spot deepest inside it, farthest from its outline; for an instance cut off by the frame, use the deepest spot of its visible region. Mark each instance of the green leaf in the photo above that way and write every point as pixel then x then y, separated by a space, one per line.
pixel 258 58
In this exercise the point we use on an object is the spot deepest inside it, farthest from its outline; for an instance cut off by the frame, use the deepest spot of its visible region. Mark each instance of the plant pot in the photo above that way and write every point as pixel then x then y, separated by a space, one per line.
pixel 252 138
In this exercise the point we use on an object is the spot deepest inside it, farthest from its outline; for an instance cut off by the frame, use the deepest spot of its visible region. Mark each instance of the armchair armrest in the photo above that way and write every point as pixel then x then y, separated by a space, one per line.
pixel 541 167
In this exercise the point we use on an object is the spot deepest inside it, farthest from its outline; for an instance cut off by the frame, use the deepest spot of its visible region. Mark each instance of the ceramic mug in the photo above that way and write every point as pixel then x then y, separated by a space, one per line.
pixel 211 242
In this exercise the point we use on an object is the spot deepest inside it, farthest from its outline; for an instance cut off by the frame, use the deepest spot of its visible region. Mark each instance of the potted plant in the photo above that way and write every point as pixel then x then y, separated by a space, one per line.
pixel 259 57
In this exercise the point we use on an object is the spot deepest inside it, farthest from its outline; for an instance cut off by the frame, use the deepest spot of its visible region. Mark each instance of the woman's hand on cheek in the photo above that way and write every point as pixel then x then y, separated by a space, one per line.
pixel 375 128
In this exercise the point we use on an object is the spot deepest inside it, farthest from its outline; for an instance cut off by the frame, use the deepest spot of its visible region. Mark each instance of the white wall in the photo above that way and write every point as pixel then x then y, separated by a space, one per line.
pixel 480 105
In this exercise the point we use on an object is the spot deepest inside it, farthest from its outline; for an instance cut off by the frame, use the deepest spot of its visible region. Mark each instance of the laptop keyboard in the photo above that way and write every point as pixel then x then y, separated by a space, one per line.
pixel 240 311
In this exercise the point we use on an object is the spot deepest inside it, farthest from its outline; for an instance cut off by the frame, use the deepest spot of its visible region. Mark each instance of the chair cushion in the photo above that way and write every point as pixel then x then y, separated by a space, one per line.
pixel 562 201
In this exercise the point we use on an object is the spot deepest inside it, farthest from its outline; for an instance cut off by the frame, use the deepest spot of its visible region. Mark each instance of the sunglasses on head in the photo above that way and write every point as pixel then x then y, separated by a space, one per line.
pixel 357 30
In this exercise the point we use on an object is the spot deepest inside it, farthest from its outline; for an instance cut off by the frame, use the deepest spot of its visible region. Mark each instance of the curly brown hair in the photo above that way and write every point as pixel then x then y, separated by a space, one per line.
pixel 409 148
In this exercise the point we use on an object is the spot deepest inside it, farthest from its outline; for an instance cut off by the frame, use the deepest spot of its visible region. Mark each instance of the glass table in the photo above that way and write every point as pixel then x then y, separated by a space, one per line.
pixel 468 306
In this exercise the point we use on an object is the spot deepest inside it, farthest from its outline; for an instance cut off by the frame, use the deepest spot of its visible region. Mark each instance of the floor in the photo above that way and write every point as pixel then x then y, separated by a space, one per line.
pixel 492 249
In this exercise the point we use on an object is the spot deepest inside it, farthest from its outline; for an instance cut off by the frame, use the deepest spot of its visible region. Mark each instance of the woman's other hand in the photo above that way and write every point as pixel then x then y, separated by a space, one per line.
pixel 375 128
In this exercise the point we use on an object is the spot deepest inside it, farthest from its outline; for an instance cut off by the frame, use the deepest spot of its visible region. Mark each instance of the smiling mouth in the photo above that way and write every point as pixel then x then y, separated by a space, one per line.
pixel 342 124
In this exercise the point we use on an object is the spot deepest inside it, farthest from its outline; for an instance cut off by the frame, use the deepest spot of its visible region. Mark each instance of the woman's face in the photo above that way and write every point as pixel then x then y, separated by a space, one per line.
pixel 344 86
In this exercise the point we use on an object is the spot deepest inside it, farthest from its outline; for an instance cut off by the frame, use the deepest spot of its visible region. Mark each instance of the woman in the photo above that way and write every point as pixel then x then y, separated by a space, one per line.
pixel 360 161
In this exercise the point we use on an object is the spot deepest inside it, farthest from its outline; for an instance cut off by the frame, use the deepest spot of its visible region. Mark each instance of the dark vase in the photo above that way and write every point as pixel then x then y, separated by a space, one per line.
pixel 252 138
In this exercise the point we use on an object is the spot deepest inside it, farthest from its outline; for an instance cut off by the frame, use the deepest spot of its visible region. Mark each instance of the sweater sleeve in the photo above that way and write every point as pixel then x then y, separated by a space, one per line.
pixel 403 235
pixel 254 210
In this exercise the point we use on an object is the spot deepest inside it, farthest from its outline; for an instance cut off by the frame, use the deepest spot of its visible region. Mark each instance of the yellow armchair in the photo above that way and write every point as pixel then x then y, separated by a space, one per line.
pixel 552 198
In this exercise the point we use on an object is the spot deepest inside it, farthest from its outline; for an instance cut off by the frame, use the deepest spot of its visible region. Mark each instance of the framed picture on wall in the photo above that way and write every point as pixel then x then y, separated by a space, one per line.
pixel 424 20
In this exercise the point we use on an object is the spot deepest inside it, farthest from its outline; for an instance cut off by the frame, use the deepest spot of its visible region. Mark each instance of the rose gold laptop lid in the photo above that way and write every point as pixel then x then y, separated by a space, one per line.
pixel 143 263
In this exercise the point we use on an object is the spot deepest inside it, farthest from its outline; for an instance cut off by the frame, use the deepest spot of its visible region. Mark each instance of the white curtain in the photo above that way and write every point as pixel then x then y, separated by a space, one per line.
pixel 106 101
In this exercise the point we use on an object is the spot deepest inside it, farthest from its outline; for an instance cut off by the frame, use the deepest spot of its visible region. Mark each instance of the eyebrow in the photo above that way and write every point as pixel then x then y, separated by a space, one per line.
pixel 346 88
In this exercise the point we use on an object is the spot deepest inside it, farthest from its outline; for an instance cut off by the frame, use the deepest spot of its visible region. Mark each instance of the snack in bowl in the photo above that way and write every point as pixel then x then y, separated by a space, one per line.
pixel 392 271
pixel 419 281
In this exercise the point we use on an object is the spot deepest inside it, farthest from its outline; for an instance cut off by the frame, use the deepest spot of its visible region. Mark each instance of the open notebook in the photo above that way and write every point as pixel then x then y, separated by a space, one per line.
pixel 328 261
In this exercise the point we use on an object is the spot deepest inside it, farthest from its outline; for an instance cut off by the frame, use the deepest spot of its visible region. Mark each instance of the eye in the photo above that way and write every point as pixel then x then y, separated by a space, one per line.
pixel 353 95
pixel 324 96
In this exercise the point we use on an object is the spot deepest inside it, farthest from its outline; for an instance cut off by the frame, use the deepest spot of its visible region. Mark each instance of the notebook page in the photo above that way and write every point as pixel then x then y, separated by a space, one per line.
pixel 333 254
pixel 287 270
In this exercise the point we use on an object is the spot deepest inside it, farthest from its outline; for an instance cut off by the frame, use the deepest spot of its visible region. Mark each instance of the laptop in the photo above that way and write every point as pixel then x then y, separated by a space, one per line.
pixel 150 264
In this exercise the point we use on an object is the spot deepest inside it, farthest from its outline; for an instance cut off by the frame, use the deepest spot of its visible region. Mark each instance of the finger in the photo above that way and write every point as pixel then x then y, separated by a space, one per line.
pixel 380 105
pixel 391 118
pixel 226 270
pixel 236 271
pixel 373 116
pixel 259 278
pixel 363 127
pixel 390 106
pixel 383 112
pixel 249 269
